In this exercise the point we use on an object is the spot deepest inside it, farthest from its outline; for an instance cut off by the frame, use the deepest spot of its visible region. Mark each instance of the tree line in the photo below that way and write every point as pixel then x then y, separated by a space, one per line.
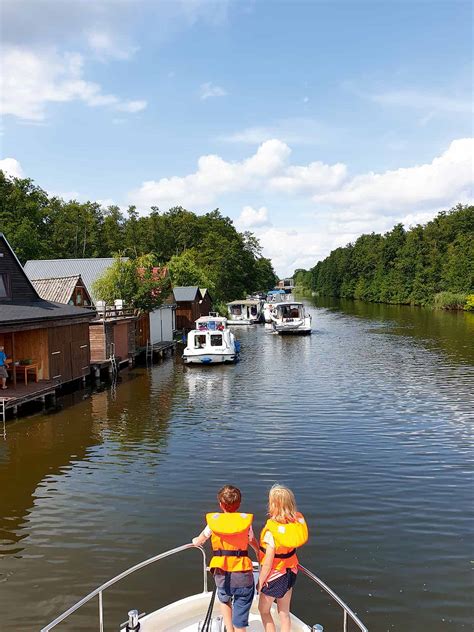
pixel 424 265
pixel 204 250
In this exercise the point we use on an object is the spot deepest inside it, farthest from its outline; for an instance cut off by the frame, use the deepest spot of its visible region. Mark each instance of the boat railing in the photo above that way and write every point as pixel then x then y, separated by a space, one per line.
pixel 99 592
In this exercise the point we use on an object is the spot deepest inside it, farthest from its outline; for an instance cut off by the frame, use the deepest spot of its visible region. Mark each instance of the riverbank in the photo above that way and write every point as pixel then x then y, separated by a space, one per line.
pixel 452 301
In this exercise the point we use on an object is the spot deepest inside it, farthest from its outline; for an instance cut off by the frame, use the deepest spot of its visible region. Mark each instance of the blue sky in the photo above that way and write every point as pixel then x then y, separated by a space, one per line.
pixel 306 122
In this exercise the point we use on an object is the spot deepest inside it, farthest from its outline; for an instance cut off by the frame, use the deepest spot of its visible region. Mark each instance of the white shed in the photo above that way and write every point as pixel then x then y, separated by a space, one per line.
pixel 163 323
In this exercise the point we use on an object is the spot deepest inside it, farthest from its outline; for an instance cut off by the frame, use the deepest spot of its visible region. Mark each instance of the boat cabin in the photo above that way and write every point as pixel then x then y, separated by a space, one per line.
pixel 247 311
pixel 289 311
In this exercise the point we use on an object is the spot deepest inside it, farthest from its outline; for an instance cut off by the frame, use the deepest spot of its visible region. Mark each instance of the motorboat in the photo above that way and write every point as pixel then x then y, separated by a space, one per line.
pixel 291 318
pixel 211 342
pixel 200 612
pixel 245 312
pixel 273 297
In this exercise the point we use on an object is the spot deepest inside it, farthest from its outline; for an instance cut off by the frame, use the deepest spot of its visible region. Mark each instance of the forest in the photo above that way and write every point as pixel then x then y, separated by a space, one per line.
pixel 204 250
pixel 430 265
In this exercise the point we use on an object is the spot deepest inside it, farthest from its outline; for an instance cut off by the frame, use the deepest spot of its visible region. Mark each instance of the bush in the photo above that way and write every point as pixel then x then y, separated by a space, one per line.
pixel 469 305
pixel 450 300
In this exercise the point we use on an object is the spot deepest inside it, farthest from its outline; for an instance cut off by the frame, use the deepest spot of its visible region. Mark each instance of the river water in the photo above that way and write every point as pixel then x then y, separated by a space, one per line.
pixel 369 420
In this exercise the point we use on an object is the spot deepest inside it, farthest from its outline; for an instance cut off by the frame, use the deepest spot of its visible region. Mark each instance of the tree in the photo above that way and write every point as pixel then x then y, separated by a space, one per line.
pixel 137 282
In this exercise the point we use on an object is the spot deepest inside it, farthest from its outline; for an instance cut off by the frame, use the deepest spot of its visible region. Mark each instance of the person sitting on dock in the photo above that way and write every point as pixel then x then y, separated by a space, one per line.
pixel 231 533
pixel 3 368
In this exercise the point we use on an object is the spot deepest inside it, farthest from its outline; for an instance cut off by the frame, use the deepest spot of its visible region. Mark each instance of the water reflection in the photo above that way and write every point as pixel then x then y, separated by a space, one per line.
pixel 369 419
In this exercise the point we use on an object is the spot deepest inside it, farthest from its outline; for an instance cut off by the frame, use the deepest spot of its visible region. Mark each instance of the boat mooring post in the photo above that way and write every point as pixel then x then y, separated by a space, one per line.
pixel 133 622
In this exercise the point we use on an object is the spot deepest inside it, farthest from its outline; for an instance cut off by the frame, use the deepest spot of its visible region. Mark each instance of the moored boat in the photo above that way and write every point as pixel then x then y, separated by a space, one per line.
pixel 245 312
pixel 291 318
pixel 211 342
pixel 197 613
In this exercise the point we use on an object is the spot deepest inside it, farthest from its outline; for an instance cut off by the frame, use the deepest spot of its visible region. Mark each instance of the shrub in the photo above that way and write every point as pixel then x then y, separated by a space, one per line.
pixel 450 300
pixel 469 305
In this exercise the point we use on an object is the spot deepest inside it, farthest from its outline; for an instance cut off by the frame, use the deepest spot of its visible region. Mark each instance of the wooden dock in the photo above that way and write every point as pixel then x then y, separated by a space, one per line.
pixel 12 398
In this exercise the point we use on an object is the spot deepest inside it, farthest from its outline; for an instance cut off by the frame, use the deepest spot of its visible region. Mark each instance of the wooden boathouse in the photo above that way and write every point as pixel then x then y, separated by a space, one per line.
pixel 46 343
pixel 190 305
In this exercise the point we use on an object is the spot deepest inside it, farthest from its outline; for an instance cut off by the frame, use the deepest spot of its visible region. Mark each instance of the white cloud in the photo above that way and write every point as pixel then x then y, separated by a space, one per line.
pixel 253 218
pixel 106 45
pixel 316 176
pixel 446 180
pixel 12 168
pixel 30 80
pixel 293 130
pixel 131 106
pixel 208 90
pixel 422 100
pixel 214 177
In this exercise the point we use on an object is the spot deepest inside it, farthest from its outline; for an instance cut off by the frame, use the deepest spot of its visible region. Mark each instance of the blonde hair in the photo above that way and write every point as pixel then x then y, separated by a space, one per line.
pixel 281 504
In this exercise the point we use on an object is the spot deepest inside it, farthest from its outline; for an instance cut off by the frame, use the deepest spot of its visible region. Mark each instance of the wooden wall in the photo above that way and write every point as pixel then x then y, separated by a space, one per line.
pixel 142 330
pixel 62 353
pixel 187 313
pixel 69 352
pixel 34 345
pixel 21 288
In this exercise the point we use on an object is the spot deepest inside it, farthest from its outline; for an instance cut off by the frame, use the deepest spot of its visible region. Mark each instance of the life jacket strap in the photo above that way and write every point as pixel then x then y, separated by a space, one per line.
pixel 280 556
pixel 230 553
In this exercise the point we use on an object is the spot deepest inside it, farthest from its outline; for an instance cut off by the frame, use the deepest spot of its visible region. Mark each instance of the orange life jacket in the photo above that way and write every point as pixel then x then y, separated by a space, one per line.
pixel 230 539
pixel 288 537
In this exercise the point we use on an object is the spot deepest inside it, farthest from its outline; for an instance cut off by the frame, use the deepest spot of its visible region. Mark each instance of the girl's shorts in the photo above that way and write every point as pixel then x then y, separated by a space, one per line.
pixel 278 587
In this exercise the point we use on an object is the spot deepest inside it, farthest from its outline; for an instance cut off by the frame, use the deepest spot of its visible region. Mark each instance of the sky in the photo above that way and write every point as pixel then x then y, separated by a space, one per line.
pixel 308 123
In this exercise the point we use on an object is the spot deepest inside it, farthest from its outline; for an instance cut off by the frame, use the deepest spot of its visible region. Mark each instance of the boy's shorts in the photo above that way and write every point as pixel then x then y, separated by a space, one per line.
pixel 280 586
pixel 236 589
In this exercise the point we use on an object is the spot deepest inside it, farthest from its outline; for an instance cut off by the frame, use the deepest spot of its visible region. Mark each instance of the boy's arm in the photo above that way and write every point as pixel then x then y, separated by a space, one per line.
pixel 254 544
pixel 201 539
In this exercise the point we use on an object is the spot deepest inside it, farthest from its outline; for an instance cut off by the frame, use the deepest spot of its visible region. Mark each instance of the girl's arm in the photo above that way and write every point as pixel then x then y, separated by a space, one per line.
pixel 266 567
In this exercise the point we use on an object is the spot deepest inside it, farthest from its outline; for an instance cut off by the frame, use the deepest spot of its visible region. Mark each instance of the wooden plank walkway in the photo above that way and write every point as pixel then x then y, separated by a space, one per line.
pixel 23 393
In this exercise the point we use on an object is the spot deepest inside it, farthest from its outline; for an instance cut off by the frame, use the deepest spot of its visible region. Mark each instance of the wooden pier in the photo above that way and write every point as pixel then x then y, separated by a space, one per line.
pixel 12 398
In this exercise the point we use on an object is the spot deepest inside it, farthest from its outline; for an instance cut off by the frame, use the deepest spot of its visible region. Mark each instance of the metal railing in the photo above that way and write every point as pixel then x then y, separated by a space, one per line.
pixel 98 592
pixel 347 612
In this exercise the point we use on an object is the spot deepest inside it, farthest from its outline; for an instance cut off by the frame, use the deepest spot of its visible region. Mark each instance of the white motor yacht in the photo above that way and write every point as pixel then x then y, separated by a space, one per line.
pixel 291 318
pixel 198 612
pixel 211 342
pixel 245 312
pixel 273 298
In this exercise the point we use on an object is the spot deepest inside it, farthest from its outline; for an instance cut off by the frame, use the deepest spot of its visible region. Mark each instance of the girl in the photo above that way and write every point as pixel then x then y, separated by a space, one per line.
pixel 283 533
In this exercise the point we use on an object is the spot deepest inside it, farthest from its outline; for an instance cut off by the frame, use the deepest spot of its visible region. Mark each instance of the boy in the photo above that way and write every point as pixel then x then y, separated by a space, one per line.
pixel 230 534
pixel 3 368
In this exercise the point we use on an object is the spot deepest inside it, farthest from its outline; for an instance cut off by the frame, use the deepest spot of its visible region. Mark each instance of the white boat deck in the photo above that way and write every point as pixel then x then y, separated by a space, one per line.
pixel 185 616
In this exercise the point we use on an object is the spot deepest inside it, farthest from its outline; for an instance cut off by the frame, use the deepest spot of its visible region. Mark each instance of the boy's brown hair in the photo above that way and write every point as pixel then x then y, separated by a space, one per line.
pixel 229 497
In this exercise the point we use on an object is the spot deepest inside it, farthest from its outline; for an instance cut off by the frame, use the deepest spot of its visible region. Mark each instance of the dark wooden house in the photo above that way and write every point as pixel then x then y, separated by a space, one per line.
pixel 45 342
pixel 190 305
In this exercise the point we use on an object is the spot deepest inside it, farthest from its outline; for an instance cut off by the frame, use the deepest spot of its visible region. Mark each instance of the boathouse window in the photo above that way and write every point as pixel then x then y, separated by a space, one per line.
pixel 5 290
pixel 216 340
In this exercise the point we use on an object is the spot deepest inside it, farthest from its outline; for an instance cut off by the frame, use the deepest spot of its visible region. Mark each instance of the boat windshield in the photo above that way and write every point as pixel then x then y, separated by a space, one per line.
pixel 236 310
pixel 290 311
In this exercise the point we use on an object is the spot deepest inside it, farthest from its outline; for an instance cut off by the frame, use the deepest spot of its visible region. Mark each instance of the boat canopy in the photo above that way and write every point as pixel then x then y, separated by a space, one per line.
pixel 246 301
pixel 273 292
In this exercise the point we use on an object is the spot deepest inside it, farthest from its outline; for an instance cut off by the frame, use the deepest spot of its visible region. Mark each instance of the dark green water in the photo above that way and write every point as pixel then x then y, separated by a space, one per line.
pixel 369 420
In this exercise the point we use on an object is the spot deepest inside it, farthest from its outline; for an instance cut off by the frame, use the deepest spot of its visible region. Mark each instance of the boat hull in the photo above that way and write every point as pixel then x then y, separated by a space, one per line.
pixel 210 358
